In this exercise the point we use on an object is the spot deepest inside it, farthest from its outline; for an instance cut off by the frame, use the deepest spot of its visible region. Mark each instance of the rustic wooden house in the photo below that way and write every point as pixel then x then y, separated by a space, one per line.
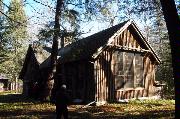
pixel 34 69
pixel 116 63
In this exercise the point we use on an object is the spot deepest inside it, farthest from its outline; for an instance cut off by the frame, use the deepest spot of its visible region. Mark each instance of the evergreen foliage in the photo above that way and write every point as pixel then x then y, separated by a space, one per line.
pixel 14 39
pixel 2 42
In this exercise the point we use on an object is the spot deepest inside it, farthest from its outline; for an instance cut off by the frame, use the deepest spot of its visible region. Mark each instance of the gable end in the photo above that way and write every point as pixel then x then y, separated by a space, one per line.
pixel 129 37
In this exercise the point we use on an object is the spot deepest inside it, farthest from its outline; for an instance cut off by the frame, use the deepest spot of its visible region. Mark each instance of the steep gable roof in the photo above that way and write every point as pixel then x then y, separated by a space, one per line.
pixel 86 47
pixel 92 46
pixel 36 53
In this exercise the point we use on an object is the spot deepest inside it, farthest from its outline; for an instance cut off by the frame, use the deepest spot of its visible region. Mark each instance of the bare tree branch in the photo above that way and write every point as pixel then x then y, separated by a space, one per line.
pixel 45 5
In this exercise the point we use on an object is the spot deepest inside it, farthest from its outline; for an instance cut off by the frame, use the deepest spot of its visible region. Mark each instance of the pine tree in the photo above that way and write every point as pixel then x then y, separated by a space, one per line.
pixel 15 35
pixel 2 42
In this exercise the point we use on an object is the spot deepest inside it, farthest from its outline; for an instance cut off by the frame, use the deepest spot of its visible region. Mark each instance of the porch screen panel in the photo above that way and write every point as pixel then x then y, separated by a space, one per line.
pixel 128 70
pixel 139 82
pixel 118 70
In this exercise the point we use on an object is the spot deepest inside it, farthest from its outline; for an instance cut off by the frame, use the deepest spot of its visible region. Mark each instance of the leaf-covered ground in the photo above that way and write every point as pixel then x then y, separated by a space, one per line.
pixel 15 106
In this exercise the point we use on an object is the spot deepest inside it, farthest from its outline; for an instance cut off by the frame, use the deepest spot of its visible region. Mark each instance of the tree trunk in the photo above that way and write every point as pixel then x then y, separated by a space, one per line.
pixel 16 86
pixel 173 26
pixel 48 84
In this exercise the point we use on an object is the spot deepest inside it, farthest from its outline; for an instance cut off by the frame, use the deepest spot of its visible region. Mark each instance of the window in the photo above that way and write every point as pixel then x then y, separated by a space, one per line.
pixel 128 70
pixel 139 71
pixel 118 68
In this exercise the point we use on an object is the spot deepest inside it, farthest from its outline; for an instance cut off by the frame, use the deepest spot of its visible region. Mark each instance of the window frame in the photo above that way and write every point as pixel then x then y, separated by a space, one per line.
pixel 142 69
pixel 134 80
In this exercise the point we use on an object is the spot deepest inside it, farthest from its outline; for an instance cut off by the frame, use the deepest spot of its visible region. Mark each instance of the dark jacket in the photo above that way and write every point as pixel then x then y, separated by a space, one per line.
pixel 62 98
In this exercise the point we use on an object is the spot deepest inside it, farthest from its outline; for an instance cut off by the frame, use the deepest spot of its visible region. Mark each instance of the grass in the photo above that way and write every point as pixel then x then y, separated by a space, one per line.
pixel 148 109
pixel 15 106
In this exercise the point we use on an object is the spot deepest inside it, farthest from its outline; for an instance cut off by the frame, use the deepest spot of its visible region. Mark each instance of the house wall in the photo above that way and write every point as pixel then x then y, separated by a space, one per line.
pixel 105 69
pixel 147 90
pixel 99 80
pixel 31 77
pixel 79 79
pixel 103 75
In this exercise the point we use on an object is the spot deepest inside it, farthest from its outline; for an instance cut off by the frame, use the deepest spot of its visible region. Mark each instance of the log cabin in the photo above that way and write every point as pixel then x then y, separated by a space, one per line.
pixel 34 69
pixel 111 65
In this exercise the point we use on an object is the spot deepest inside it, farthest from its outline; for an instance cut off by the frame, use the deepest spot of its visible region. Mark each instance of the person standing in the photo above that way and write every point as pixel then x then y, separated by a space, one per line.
pixel 62 101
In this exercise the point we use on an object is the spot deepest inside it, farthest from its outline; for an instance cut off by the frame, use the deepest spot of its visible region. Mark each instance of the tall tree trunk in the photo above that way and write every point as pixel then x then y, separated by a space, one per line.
pixel 48 84
pixel 16 84
pixel 173 26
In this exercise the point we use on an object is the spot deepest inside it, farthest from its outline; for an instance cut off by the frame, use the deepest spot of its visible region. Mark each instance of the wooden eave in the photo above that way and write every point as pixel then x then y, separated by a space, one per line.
pixel 125 48
pixel 145 42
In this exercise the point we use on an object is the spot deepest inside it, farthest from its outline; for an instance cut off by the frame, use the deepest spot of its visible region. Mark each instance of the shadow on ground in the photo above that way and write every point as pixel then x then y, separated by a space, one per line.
pixel 16 106
pixel 14 98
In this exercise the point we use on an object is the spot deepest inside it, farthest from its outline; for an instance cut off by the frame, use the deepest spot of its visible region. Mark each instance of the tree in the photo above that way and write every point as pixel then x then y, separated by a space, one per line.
pixel 62 33
pixel 164 71
pixel 54 52
pixel 173 26
pixel 2 42
pixel 15 34
pixel 158 38
pixel 69 29
pixel 46 86
pixel 177 2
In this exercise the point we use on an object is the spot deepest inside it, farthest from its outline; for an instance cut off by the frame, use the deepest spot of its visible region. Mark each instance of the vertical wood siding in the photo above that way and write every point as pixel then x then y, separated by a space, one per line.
pixel 31 77
pixel 104 71
pixel 79 77
pixel 103 75
pixel 97 81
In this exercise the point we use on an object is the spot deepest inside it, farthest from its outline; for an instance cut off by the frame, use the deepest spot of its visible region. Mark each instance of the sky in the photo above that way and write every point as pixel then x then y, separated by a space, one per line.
pixel 32 8
pixel 39 15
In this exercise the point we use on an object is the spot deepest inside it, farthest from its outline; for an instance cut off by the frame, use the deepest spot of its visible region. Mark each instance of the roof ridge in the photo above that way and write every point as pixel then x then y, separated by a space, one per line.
pixel 80 40
pixel 106 29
